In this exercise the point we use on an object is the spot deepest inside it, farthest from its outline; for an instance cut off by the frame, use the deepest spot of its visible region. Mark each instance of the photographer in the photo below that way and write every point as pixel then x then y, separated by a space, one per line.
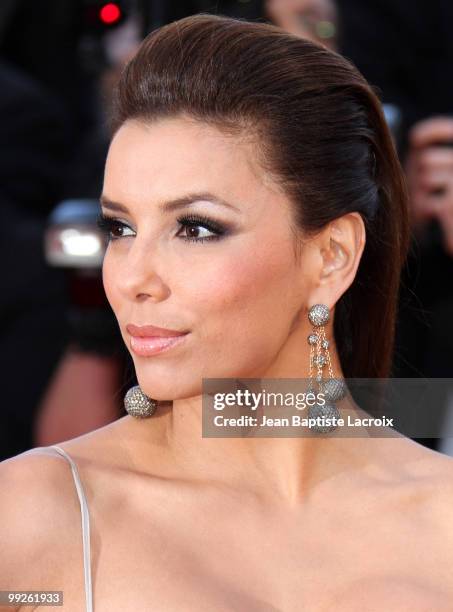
pixel 429 171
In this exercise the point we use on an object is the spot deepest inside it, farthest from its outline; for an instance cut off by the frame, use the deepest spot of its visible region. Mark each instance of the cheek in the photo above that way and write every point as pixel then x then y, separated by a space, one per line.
pixel 106 277
pixel 109 281
pixel 245 304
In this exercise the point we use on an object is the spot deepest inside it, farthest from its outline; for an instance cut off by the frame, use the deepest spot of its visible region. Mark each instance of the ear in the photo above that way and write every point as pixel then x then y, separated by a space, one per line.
pixel 341 248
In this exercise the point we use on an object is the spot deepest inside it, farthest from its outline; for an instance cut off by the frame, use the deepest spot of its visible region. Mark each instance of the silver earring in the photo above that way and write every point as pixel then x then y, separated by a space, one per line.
pixel 334 389
pixel 139 405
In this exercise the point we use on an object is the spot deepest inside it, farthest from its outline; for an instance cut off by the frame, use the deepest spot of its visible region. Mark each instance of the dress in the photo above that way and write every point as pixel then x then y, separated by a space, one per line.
pixel 56 450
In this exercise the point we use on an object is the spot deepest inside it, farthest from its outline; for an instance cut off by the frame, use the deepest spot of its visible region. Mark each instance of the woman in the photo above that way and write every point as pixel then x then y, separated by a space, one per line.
pixel 250 177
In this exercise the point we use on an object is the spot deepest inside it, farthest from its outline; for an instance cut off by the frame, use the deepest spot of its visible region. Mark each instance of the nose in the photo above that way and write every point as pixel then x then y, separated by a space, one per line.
pixel 138 277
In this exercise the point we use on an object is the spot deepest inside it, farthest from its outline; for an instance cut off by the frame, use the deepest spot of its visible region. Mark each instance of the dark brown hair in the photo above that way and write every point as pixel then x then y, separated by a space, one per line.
pixel 321 134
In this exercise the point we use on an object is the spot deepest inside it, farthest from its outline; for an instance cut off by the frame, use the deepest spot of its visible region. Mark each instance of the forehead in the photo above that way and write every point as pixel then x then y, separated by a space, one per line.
pixel 173 156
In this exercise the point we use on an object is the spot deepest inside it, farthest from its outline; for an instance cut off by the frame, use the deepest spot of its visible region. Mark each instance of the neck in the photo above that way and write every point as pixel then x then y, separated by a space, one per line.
pixel 282 469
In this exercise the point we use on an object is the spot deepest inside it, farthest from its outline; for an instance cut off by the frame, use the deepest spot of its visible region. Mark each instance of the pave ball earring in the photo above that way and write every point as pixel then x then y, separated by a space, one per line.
pixel 334 389
pixel 139 405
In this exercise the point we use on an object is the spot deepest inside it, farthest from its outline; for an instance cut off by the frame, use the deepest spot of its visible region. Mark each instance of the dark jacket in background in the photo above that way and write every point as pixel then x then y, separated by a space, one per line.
pixel 33 149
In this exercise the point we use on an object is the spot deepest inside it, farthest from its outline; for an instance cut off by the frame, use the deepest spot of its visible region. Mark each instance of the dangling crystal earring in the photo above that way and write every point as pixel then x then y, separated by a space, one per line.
pixel 139 405
pixel 334 389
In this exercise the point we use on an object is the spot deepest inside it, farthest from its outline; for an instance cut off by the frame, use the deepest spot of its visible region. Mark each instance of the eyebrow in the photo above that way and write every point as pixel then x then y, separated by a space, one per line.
pixel 172 205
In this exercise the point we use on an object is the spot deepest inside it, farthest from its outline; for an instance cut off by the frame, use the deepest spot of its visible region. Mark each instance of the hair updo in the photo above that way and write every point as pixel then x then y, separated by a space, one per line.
pixel 321 135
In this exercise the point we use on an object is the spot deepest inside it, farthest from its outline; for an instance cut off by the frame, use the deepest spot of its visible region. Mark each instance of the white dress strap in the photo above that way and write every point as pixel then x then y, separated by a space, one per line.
pixel 85 523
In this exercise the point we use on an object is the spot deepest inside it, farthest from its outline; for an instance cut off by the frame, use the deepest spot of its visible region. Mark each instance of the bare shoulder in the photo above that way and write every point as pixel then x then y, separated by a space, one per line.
pixel 123 447
pixel 413 480
pixel 430 466
pixel 428 477
pixel 435 470
pixel 38 513
pixel 31 483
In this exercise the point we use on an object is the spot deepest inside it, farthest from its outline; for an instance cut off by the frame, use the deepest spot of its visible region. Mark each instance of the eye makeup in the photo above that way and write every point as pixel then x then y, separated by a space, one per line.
pixel 110 225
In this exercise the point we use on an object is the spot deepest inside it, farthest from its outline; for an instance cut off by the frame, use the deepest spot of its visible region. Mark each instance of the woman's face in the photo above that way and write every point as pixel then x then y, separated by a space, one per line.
pixel 238 294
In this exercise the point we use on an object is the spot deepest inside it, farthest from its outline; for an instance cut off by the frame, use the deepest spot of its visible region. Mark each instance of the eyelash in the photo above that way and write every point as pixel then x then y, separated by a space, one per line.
pixel 107 224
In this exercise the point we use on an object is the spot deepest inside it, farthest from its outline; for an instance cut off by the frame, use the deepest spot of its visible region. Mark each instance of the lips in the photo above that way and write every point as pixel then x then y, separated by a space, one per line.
pixel 145 347
pixel 151 331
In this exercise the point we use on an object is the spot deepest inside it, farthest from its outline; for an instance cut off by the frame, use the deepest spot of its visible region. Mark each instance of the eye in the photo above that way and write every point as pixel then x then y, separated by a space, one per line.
pixel 109 225
pixel 192 223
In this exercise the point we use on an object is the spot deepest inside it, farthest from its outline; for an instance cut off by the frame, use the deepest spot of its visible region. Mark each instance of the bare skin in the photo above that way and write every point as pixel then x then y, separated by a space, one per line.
pixel 369 531
pixel 182 522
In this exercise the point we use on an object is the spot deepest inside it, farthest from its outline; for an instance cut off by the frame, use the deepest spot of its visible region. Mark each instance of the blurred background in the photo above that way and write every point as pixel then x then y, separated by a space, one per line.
pixel 65 369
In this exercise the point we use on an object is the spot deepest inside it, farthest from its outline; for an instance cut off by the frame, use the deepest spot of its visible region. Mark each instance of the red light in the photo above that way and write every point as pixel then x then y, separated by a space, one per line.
pixel 110 13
